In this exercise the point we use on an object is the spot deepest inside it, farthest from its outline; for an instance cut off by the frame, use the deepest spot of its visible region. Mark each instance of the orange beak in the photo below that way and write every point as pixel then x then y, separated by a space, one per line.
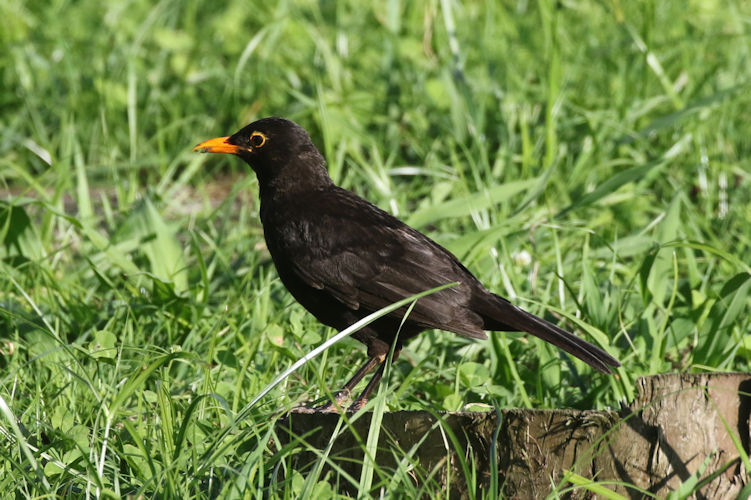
pixel 218 145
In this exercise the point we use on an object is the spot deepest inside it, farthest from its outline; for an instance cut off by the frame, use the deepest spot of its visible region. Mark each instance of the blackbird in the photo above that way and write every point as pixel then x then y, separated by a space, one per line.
pixel 343 258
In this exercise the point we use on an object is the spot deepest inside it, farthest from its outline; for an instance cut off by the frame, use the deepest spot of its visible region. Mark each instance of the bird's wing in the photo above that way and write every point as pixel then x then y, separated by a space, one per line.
pixel 367 260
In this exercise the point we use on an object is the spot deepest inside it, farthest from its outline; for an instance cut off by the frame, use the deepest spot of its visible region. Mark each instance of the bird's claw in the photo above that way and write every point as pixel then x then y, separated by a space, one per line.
pixel 358 405
pixel 331 407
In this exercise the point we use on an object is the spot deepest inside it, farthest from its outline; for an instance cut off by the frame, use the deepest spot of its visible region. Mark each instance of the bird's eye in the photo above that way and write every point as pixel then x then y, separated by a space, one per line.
pixel 257 139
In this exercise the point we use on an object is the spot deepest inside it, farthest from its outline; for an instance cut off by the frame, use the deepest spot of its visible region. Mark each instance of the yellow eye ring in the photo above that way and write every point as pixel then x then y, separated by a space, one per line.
pixel 257 140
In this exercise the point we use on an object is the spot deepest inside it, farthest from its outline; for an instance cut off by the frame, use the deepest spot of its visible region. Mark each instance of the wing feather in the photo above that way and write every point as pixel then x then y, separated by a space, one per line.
pixel 370 260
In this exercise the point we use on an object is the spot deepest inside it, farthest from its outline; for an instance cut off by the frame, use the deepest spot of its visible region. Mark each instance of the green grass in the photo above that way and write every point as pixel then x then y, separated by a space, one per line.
pixel 588 160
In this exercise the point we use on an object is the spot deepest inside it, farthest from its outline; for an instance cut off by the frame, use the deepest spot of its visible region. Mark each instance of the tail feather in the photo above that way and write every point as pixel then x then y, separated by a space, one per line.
pixel 500 314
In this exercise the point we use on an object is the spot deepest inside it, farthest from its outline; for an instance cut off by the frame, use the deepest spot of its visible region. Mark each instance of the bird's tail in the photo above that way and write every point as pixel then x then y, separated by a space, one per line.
pixel 501 315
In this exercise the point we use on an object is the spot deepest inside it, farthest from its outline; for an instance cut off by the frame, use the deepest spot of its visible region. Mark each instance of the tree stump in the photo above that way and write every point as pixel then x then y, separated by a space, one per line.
pixel 678 424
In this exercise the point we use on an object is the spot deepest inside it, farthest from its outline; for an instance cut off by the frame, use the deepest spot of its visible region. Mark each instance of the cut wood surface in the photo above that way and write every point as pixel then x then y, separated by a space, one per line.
pixel 677 424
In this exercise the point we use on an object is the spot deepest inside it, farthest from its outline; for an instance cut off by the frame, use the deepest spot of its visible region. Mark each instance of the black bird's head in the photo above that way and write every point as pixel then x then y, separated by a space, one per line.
pixel 278 150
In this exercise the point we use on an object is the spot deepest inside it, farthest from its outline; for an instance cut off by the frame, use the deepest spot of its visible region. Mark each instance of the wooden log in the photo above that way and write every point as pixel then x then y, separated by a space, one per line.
pixel 677 424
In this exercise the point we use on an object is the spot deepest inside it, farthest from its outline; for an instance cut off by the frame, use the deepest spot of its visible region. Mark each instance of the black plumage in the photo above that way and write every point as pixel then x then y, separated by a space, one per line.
pixel 343 258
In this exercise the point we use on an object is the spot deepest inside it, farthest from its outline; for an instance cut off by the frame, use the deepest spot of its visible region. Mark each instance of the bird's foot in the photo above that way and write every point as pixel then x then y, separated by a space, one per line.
pixel 331 407
pixel 357 405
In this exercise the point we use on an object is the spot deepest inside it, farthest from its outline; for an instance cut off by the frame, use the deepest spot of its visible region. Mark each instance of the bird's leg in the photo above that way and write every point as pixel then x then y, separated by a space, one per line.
pixel 364 370
pixel 342 395
pixel 358 403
